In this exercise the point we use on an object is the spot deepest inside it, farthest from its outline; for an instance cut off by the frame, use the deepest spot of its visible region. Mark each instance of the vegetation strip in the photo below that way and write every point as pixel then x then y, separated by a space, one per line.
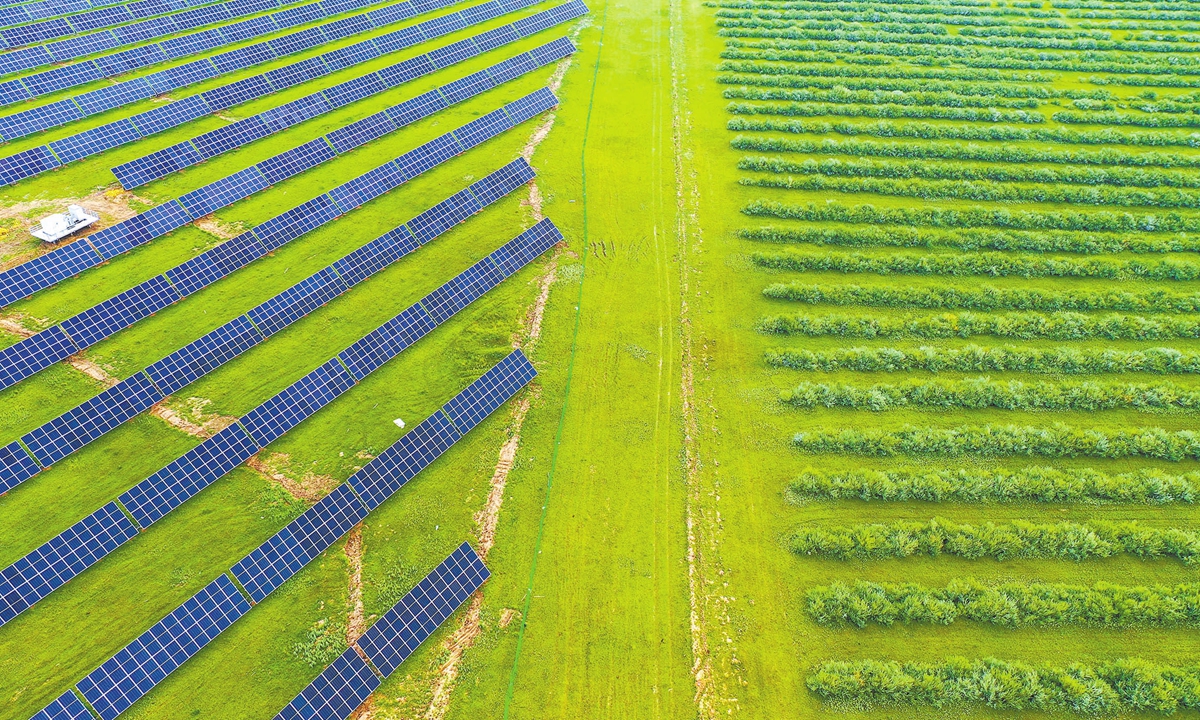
pixel 976 358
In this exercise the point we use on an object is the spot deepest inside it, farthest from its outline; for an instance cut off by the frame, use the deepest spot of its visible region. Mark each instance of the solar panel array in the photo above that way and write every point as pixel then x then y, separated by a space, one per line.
pixel 180 480
pixel 348 681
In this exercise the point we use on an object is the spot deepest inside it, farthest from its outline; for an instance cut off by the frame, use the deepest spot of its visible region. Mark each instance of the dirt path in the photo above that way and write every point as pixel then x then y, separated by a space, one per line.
pixel 91 369
pixel 12 324
pixel 194 422
pixel 310 487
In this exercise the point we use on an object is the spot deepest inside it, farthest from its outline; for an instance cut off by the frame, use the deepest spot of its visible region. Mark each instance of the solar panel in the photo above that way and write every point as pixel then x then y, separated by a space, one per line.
pixel 37 119
pixel 151 499
pixel 351 55
pixel 296 73
pixel 401 462
pixel 139 229
pixel 247 29
pixel 276 560
pixel 27 164
pixel 399 39
pixel 514 254
pixel 397 634
pixel 202 16
pixel 140 665
pixel 346 27
pixel 552 51
pixel 16 466
pixel 443 216
pixel 366 187
pixel 239 8
pixel 46 569
pixel 442 26
pixel 148 8
pixel 334 694
pixel 375 255
pixel 427 5
pixel 483 128
pixel 193 43
pixel 391 14
pixel 215 142
pixel 96 140
pixel 131 59
pixel 28 34
pixel 430 154
pixel 25 59
pixel 534 24
pixel 64 707
pixel 14 15
pixel 103 17
pixel 290 225
pixel 466 87
pixel 120 311
pixel 400 73
pixel 223 192
pixel 386 341
pixel 419 107
pixel 337 7
pixel 34 353
pixel 503 181
pixel 446 56
pixel 287 409
pixel 172 115
pixel 296 160
pixel 45 270
pixel 298 15
pixel 79 426
pixel 297 301
pixel 13 91
pixel 530 106
pixel 496 37
pixel 357 133
pixel 199 357
pixel 470 407
pixel 443 303
pixel 136 173
pixel 297 41
pixel 146 30
pixel 352 90
pixel 82 46
pixel 235 93
pixel 97 101
pixel 243 57
pixel 297 111
pixel 479 13
pixel 215 263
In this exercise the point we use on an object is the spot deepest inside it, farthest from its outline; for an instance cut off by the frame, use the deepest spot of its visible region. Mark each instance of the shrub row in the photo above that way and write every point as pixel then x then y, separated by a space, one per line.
pixel 1028 484
pixel 844 96
pixel 1021 325
pixel 1127 685
pixel 1152 120
pixel 887 111
pixel 973 358
pixel 899 72
pixel 983 393
pixel 872 84
pixel 1006 441
pixel 1000 541
pixel 986 298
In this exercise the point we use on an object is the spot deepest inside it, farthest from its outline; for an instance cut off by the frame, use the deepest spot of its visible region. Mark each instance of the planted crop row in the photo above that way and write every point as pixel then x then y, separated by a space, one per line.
pixel 1127 685
pixel 1152 120
pixel 941 87
pixel 1055 441
pixel 973 485
pixel 843 95
pixel 1000 541
pixel 899 72
pixel 984 114
pixel 983 393
pixel 1020 325
pixel 1009 605
pixel 973 358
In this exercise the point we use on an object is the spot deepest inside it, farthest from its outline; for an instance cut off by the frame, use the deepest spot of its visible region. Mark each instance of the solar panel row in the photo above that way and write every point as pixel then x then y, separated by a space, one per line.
pixel 92 16
pixel 154 497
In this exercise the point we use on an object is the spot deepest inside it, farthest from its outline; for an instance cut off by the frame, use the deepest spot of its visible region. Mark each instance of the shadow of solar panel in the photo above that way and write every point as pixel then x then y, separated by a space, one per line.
pixel 223 192
pixel 215 142
pixel 216 263
pixel 48 568
pixel 295 222
pixel 401 462
pixel 26 164
pixel 399 39
pixel 247 29
pixel 442 26
pixel 114 686
pixel 296 160
pixel 297 301
pixel 151 499
pixel 391 14
pixel 299 15
pixel 13 91
pixel 79 426
pixel 443 216
pixel 503 181
pixel 489 392
pixel 466 87
pixel 98 101
pixel 443 303
pixel 197 358
pixel 131 59
pixel 496 37
pixel 454 52
pixel 530 106
pixel 375 255
pixel 172 115
pixel 483 128
pixel 366 187
pixel 432 153
pixel 479 13
pixel 34 353
pixel 96 140
pixel 400 73
pixel 301 399
pixel 202 16
pixel 335 693
pixel 387 341
pixel 156 165
pixel 64 707
pixel 552 51
pixel 37 119
pixel 120 311
pixel 297 41
pixel 514 254
pixel 411 621
pixel 421 106
pixel 346 27
pixel 352 90
pixel 269 565
pixel 194 43
pixel 16 466
pixel 45 270
pixel 78 47
pixel 357 133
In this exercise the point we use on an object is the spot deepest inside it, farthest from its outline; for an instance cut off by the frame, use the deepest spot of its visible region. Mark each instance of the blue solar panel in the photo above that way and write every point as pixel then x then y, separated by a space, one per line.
pixel 534 24
pixel 347 138
pixel 167 489
pixel 503 181
pixel 401 462
pixel 375 255
pixel 489 392
pixel 483 128
pixel 238 92
pixel 215 142
pixel 351 55
pixel 136 173
pixel 496 37
pixel 443 303
pixel 442 26
pixel 16 466
pixel 365 187
pixel 430 154
pixel 216 262
pixel 239 8
pixel 411 621
pixel 146 30
pixel 82 46
pixel 131 59
pixel 298 15
pixel 427 5
pixel 337 7
pixel 149 8
pixel 25 59
pixel 97 101
pixel 290 225
pixel 352 90
pixel 223 192
pixel 399 39
pixel 96 140
pixel 81 425
pixel 172 115
pixel 468 86
pixel 446 56
pixel 386 341
pixel 197 358
pixel 297 111
pixel 243 57
pixel 27 164
pixel 297 301
pixel 391 14
pixel 419 107
pixel 101 18
pixel 37 119
pixel 346 27
pixel 45 270
pixel 139 229
pixel 400 73
pixel 522 249
pixel 64 707
pixel 335 693
pixel 530 106
pixel 28 34
pixel 300 400
pixel 13 91
pixel 552 51
pixel 276 560
pixel 181 76
pixel 120 311
pixel 296 73
pixel 202 16
pixel 44 570
pixel 193 43
pixel 140 665
pixel 443 216
pixel 484 11
pixel 34 353
pixel 296 160
pixel 297 41
pixel 14 16
pixel 247 29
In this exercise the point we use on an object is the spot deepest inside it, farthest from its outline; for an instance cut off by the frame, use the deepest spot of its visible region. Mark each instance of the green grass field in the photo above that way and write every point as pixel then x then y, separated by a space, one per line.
pixel 1018 159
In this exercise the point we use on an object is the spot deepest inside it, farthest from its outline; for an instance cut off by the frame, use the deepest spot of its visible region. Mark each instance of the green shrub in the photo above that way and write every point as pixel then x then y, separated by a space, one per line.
pixel 974 358
pixel 986 297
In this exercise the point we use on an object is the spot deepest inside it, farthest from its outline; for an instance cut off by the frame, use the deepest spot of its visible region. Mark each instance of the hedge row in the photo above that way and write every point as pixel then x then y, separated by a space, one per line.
pixel 1022 325
pixel 844 96
pixel 999 541
pixel 1073 117
pixel 899 72
pixel 1055 441
pixel 975 239
pixel 986 298
pixel 887 111
pixel 1127 685
pixel 984 393
pixel 973 358
pixel 1028 484
pixel 1009 605
pixel 870 83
